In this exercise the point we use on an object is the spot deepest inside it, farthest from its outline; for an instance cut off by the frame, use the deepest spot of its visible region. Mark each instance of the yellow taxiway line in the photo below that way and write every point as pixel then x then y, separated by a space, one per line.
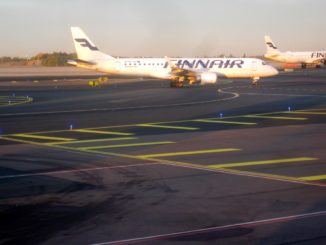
pixel 275 117
pixel 93 141
pixel 125 145
pixel 274 161
pixel 314 177
pixel 179 164
pixel 184 153
pixel 14 100
pixel 101 132
pixel 167 127
pixel 224 122
pixel 234 171
pixel 163 122
pixel 42 137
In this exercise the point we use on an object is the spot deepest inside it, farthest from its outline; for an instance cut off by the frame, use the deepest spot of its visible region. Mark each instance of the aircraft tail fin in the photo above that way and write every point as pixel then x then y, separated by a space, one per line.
pixel 271 49
pixel 85 48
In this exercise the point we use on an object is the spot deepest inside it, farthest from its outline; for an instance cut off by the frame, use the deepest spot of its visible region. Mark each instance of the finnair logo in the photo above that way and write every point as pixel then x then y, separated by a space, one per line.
pixel 85 43
pixel 318 55
pixel 207 63
pixel 271 45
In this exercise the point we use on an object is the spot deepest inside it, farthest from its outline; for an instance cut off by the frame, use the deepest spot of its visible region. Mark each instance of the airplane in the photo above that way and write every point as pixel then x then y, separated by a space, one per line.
pixel 180 71
pixel 310 58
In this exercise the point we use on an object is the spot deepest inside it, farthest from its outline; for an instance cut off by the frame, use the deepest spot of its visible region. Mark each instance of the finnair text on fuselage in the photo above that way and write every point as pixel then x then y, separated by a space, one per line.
pixel 318 55
pixel 207 63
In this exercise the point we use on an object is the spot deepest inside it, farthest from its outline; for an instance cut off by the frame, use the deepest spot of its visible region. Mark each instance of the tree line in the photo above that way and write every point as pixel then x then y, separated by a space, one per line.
pixel 44 59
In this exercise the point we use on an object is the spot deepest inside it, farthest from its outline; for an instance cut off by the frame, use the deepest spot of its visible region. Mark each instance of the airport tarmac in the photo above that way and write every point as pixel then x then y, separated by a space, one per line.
pixel 32 73
pixel 141 163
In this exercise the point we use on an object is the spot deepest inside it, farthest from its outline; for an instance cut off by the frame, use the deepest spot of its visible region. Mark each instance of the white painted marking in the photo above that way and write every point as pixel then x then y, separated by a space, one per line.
pixel 76 170
pixel 235 95
pixel 287 95
pixel 253 174
pixel 216 228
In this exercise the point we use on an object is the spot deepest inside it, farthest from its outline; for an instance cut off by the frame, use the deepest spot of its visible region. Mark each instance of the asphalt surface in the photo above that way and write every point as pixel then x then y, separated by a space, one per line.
pixel 40 73
pixel 137 162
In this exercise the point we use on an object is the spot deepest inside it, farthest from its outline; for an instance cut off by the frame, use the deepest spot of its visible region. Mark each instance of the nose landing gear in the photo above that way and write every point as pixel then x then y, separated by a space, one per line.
pixel 254 80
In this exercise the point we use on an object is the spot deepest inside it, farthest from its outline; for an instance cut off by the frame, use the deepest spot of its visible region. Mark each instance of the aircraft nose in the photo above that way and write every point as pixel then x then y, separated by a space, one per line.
pixel 273 71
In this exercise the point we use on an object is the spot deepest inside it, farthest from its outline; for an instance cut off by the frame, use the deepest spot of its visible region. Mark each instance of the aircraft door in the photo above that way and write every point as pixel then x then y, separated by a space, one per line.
pixel 254 65
pixel 118 65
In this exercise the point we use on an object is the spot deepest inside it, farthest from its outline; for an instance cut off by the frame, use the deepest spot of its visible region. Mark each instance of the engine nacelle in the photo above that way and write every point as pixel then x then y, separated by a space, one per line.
pixel 208 78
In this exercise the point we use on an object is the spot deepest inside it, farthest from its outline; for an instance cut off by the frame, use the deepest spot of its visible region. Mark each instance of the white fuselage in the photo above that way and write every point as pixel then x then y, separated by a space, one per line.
pixel 312 57
pixel 159 68
pixel 179 71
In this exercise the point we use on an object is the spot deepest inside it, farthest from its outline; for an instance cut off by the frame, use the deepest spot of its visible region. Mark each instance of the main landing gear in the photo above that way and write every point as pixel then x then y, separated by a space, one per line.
pixel 177 83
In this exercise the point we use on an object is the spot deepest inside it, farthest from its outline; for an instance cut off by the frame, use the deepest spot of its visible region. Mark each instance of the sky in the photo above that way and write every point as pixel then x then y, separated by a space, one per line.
pixel 162 27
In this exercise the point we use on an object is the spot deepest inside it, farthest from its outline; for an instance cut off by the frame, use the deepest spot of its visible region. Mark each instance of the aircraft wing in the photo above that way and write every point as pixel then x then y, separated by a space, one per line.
pixel 316 61
pixel 270 56
pixel 180 72
pixel 190 76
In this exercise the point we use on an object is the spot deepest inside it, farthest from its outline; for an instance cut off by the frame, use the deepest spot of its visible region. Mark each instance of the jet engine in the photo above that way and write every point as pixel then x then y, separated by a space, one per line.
pixel 208 78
